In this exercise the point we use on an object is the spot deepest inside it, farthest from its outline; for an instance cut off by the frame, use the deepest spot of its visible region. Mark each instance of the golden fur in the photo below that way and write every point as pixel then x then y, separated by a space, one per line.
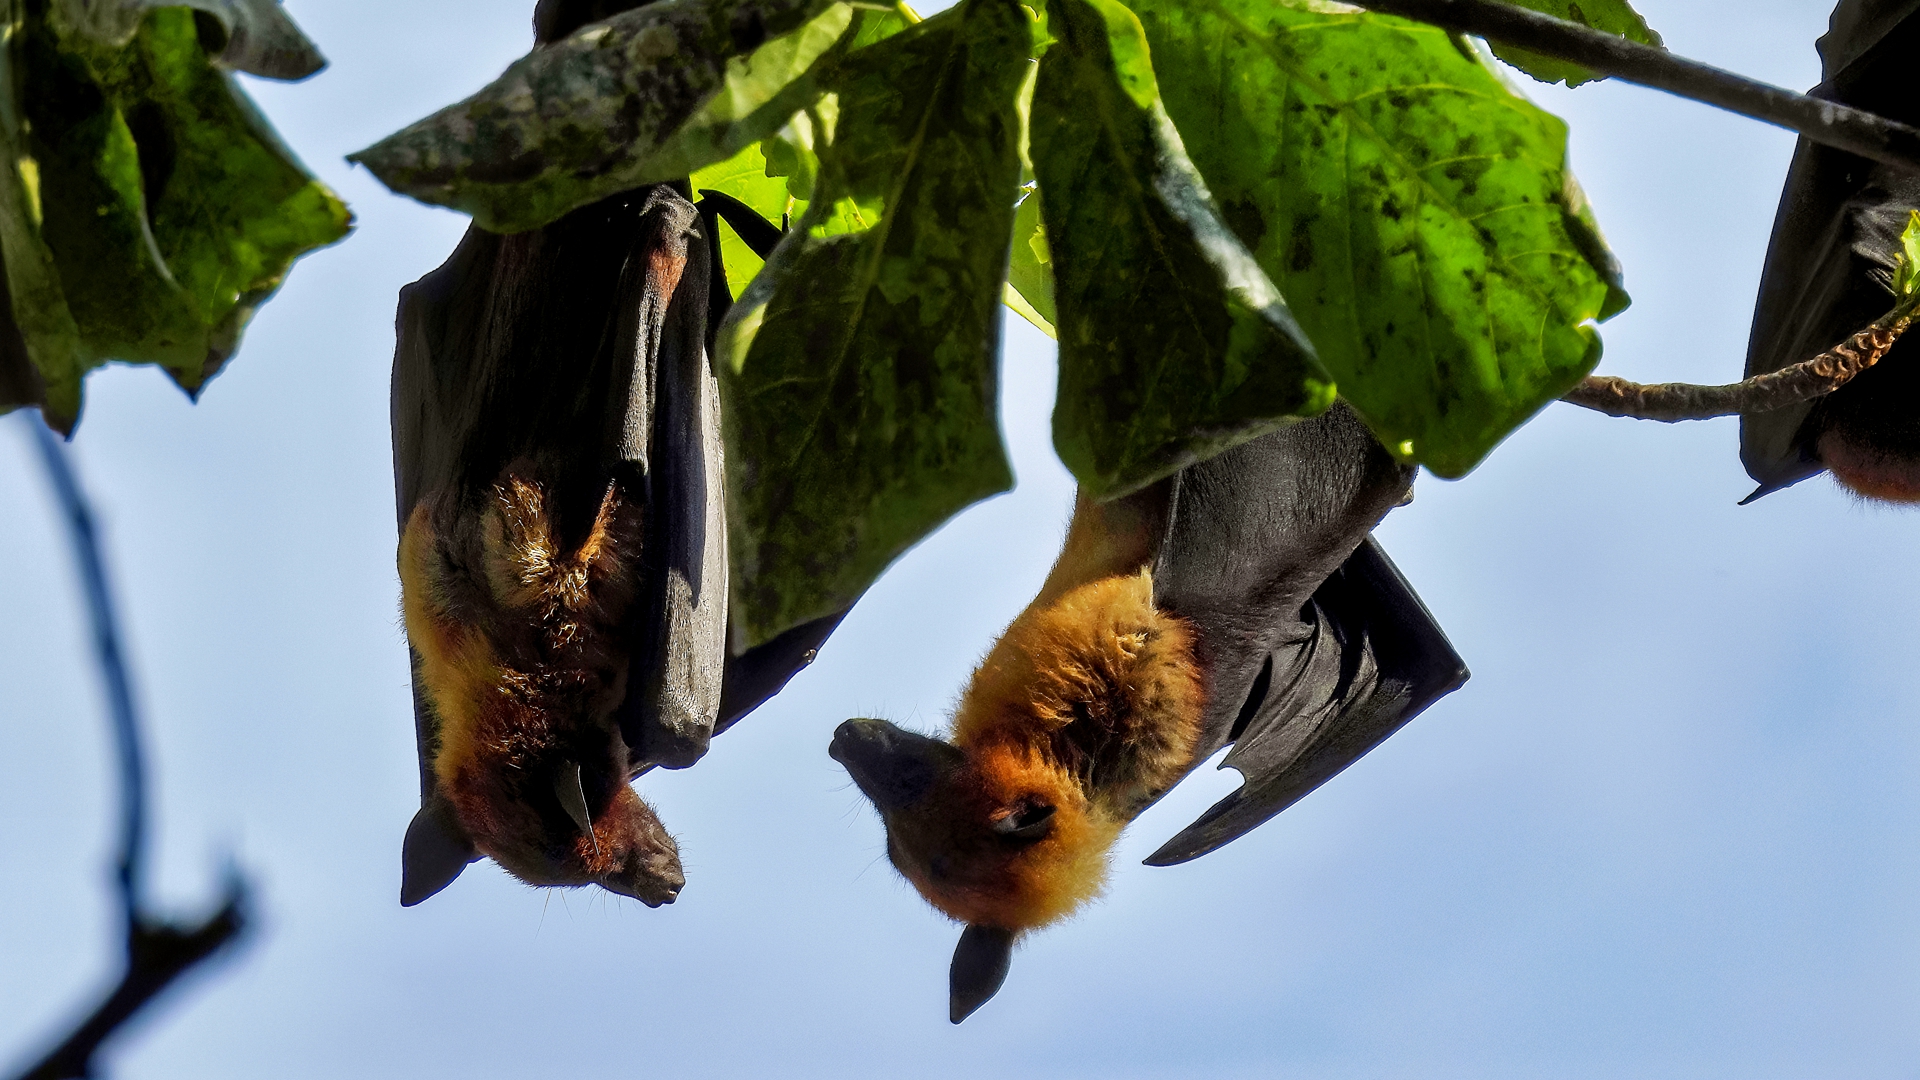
pixel 1089 704
pixel 523 661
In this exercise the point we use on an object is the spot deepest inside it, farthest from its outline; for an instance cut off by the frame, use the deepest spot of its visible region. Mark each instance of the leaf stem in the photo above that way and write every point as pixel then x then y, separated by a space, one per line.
pixel 1830 123
pixel 1673 402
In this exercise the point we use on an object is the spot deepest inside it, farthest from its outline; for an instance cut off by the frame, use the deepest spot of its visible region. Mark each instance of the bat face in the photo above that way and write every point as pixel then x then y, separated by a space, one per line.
pixel 1001 838
pixel 1085 708
pixel 519 624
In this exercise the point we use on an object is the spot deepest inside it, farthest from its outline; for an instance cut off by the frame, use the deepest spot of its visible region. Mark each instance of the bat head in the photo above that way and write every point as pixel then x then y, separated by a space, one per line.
pixel 521 661
pixel 992 835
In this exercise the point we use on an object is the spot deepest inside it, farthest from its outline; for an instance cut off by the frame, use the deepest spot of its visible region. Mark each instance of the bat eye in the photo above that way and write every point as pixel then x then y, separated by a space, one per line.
pixel 1029 821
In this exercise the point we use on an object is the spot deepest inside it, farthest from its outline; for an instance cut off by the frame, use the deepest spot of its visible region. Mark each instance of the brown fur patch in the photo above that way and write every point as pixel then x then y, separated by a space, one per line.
pixel 1869 472
pixel 524 682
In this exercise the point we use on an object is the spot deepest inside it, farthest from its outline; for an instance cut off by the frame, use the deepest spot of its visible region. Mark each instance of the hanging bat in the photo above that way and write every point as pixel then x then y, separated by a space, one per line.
pixel 558 464
pixel 1835 240
pixel 1240 602
pixel 562 554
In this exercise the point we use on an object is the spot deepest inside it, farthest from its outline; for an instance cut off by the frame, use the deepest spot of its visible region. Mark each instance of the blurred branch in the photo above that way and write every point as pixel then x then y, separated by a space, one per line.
pixel 1673 402
pixel 1853 130
pixel 158 951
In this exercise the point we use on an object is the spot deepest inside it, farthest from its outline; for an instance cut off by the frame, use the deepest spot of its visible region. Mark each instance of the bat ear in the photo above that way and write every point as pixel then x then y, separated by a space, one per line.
pixel 1032 821
pixel 572 792
pixel 435 851
pixel 980 964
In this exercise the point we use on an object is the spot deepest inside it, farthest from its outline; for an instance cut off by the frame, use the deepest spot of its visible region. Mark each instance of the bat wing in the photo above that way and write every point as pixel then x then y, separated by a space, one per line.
pixel 670 718
pixel 1369 659
pixel 1314 648
pixel 1840 218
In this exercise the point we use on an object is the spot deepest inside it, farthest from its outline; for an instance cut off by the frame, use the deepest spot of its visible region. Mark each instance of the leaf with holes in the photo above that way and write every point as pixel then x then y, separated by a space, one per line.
pixel 1174 345
pixel 1417 212
pixel 859 367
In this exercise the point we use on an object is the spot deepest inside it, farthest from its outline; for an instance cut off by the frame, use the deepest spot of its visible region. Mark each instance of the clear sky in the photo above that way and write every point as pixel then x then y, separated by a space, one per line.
pixel 1671 828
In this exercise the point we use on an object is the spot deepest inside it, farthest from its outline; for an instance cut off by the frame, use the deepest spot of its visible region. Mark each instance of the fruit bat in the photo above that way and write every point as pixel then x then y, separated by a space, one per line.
pixel 563 542
pixel 558 470
pixel 1239 602
pixel 1834 244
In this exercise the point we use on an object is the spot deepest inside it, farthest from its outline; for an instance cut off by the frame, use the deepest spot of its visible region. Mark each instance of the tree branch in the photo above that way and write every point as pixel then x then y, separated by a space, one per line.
pixel 158 951
pixel 1842 127
pixel 113 668
pixel 1673 402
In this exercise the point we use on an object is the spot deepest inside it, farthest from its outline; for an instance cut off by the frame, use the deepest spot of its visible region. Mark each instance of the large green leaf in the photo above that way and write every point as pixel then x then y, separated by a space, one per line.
pixel 153 209
pixel 1611 16
pixel 649 95
pixel 859 367
pixel 1416 211
pixel 1174 345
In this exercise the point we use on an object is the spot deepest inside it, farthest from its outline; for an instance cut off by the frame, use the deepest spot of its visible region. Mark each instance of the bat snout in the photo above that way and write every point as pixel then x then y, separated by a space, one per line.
pixel 654 880
pixel 892 767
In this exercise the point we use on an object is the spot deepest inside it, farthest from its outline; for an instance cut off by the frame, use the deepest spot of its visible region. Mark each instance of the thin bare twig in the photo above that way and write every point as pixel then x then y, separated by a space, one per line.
pixel 1853 130
pixel 1673 402
pixel 158 951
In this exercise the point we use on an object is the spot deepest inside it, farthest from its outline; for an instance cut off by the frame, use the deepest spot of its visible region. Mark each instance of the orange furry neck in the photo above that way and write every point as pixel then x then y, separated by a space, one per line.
pixel 1090 704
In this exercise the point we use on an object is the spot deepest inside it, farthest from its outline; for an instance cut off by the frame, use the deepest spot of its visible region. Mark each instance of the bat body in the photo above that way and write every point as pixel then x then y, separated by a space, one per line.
pixel 1240 601
pixel 1835 240
pixel 562 556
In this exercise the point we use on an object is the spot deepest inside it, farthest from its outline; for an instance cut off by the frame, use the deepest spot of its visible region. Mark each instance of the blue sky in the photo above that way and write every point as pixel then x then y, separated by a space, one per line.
pixel 1671 828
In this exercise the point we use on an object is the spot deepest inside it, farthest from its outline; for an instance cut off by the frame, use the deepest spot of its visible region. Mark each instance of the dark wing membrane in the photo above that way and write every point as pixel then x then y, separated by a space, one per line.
pixel 669 715
pixel 1370 659
pixel 1839 221
pixel 1253 532
pixel 764 670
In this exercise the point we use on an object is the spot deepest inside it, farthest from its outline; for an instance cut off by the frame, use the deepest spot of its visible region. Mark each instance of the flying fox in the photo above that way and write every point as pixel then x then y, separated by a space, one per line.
pixel 1241 601
pixel 1835 241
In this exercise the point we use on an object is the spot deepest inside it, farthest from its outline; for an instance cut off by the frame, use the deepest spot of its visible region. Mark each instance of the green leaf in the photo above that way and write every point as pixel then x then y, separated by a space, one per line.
pixel 1417 212
pixel 649 95
pixel 1030 271
pixel 744 176
pixel 858 370
pixel 254 36
pixel 1174 345
pixel 154 210
pixel 1906 272
pixel 1610 16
